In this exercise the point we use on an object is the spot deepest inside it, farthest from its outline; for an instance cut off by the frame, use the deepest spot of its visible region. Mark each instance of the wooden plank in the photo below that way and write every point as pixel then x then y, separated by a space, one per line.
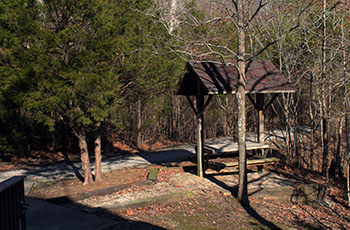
pixel 271 101
pixel 219 167
pixel 200 113
pixel 208 151
pixel 252 101
pixel 191 104
pixel 271 160
pixel 225 170
pixel 233 147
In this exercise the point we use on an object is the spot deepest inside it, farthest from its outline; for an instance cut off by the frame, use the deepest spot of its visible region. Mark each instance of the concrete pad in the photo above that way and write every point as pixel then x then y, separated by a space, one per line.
pixel 44 215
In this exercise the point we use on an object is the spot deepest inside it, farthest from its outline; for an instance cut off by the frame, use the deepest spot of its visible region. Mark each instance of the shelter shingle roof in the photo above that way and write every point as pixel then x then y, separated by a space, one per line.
pixel 203 78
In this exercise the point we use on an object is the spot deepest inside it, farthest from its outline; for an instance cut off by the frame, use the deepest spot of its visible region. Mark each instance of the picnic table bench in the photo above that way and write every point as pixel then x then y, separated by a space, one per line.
pixel 260 163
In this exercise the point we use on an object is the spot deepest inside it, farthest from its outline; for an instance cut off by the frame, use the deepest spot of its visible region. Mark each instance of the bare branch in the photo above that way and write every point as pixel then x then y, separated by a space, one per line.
pixel 284 35
pixel 201 55
pixel 215 20
pixel 234 3
pixel 261 5
pixel 210 46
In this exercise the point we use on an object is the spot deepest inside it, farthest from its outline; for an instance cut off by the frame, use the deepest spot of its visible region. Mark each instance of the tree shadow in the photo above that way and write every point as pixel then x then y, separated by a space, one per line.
pixel 74 168
pixel 339 201
pixel 168 156
pixel 250 210
pixel 42 214
pixel 318 225
pixel 259 218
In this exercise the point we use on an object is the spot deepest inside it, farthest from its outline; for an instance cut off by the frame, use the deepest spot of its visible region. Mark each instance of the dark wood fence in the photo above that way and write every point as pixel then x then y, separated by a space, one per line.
pixel 12 204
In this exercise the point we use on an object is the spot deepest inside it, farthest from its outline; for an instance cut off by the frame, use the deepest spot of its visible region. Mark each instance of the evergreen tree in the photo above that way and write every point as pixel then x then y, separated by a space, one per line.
pixel 79 71
pixel 18 32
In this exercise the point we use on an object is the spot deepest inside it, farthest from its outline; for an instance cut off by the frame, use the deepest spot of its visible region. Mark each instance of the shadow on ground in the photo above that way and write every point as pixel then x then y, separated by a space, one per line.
pixel 251 211
pixel 168 156
pixel 45 215
pixel 74 168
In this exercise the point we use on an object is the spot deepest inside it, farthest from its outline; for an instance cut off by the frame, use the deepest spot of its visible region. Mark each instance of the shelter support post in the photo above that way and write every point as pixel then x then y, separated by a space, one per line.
pixel 261 120
pixel 199 111
pixel 200 134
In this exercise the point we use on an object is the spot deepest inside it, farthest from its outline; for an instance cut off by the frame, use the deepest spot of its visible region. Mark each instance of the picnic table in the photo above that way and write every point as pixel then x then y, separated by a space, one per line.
pixel 215 148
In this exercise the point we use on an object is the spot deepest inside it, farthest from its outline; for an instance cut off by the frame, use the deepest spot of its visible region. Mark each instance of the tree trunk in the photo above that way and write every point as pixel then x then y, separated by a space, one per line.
pixel 347 136
pixel 346 109
pixel 175 118
pixel 173 6
pixel 324 121
pixel 84 155
pixel 325 157
pixel 227 130
pixel 242 195
pixel 296 148
pixel 139 123
pixel 312 152
pixel 337 157
pixel 98 155
pixel 288 142
pixel 288 128
pixel 348 181
pixel 312 117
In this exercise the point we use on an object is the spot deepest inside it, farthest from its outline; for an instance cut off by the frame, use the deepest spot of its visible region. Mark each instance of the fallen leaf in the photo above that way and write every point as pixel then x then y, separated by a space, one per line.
pixel 129 212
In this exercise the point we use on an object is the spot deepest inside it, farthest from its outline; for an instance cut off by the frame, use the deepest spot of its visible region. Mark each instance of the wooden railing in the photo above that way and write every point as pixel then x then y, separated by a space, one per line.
pixel 12 204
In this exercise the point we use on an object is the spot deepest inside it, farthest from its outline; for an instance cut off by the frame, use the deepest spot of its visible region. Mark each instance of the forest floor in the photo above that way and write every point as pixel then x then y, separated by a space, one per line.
pixel 178 199
pixel 181 200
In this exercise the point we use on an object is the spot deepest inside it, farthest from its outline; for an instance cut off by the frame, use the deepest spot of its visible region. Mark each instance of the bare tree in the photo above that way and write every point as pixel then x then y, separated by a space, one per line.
pixel 240 95
pixel 236 16
pixel 324 107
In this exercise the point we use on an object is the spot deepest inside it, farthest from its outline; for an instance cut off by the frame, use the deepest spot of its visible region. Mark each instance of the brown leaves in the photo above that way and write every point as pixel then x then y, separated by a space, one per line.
pixel 313 214
pixel 210 206
pixel 129 212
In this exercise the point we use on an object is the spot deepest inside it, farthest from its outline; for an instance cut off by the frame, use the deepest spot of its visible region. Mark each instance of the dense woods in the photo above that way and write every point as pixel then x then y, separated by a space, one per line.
pixel 78 75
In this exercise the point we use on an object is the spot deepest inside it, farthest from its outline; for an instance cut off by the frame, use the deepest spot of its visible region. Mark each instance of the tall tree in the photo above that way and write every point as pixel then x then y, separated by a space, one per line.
pixel 241 121
pixel 78 74
pixel 18 31
pixel 324 108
